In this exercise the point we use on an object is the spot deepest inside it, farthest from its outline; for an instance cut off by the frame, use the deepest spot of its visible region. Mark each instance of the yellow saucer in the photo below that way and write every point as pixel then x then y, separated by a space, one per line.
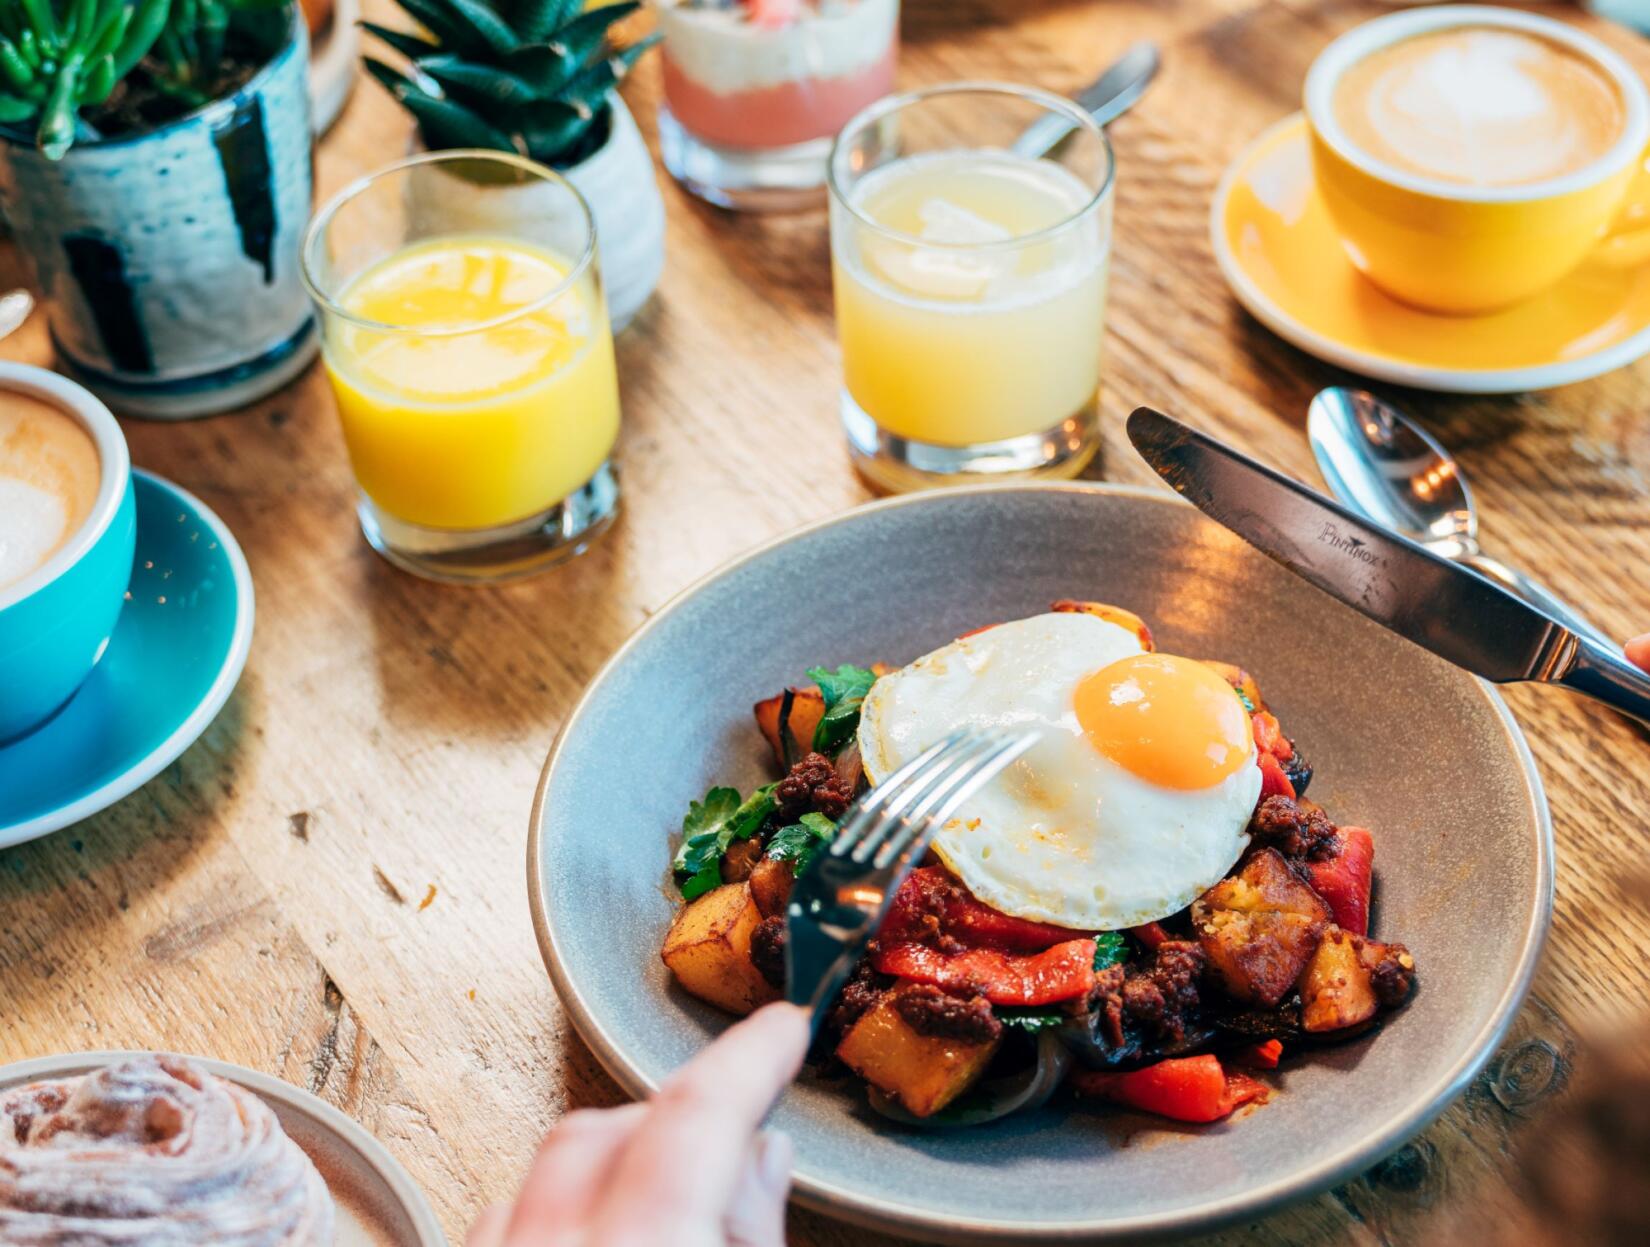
pixel 1278 251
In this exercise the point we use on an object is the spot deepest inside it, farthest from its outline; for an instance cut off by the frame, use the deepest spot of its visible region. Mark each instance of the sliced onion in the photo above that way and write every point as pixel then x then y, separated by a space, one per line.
pixel 991 1100
pixel 850 766
pixel 1078 1036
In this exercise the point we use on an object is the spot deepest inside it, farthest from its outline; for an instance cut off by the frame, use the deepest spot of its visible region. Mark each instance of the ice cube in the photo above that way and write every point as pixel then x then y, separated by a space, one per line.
pixel 947 222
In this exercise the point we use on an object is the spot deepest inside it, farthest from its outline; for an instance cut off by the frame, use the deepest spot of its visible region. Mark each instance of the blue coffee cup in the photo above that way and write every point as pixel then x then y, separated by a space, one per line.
pixel 56 621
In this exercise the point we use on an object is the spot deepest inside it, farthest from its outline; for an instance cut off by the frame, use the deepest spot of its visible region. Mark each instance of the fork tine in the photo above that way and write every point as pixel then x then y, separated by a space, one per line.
pixel 938 805
pixel 933 777
pixel 866 812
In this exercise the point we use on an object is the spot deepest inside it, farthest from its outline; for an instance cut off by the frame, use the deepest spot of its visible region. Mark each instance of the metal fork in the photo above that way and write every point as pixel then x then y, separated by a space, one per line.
pixel 839 901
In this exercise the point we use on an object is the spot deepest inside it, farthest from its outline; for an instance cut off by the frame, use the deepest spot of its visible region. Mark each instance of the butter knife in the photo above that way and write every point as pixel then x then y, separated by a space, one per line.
pixel 1461 616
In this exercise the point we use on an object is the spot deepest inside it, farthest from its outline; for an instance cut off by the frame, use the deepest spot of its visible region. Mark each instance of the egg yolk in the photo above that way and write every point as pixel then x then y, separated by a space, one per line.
pixel 1171 721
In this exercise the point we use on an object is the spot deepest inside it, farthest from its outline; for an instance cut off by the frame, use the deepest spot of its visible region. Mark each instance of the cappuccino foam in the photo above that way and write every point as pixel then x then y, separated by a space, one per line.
pixel 1480 106
pixel 49 479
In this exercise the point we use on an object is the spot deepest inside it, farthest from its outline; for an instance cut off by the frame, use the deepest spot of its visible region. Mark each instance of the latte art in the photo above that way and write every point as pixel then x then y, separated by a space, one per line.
pixel 1480 106
pixel 153 1151
pixel 49 477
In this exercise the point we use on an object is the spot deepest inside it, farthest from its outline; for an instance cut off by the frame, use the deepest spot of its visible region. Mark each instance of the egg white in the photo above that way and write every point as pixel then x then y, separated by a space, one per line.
pixel 1064 835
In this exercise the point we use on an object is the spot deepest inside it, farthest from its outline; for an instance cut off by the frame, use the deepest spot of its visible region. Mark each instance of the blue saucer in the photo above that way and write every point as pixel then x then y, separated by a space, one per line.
pixel 173 660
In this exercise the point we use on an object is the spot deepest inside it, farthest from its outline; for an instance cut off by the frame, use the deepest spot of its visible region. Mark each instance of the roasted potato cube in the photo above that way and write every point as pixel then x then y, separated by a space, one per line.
pixel 1111 614
pixel 1239 679
pixel 708 949
pixel 807 708
pixel 740 860
pixel 1259 928
pixel 1350 978
pixel 771 886
pixel 923 1073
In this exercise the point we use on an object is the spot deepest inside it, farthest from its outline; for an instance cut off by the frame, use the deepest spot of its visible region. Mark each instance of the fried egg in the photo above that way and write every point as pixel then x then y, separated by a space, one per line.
pixel 1135 800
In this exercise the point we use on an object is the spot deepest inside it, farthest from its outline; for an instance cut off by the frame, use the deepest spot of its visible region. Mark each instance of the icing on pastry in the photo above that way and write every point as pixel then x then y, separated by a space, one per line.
pixel 153 1152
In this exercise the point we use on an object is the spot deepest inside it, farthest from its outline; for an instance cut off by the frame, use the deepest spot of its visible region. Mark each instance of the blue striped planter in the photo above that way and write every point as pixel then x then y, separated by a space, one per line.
pixel 169 259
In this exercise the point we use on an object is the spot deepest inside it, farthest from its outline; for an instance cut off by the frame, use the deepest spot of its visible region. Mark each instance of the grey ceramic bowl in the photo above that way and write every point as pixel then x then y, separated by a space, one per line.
pixel 1426 756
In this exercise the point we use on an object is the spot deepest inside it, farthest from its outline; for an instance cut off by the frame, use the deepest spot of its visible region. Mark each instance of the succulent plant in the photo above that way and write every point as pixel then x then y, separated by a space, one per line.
pixel 58 57
pixel 526 76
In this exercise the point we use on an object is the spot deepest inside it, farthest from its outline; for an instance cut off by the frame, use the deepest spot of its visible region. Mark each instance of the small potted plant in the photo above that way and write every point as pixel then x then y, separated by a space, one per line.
pixel 155 169
pixel 536 77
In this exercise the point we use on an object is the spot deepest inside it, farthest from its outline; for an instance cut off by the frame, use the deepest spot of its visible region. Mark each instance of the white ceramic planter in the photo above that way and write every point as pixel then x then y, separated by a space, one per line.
pixel 619 185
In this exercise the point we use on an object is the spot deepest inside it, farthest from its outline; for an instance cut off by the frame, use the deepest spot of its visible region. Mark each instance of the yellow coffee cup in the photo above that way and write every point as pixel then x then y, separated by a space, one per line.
pixel 1466 248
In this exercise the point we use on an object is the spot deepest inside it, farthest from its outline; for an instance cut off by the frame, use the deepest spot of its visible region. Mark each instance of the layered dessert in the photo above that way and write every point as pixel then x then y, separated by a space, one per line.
pixel 154 1150
pixel 764 74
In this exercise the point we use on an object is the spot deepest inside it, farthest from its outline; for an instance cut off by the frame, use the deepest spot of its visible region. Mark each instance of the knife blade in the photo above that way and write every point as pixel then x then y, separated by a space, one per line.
pixel 1452 611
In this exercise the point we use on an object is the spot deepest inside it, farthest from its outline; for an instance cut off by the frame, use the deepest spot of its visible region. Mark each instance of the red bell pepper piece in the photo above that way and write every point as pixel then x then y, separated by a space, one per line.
pixel 1193 1088
pixel 931 892
pixel 1344 880
pixel 1263 1055
pixel 1064 972
pixel 1273 782
pixel 1150 934
pixel 1269 737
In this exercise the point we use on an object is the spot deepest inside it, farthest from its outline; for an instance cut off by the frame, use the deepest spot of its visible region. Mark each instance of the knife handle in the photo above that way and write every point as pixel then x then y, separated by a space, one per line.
pixel 1602 673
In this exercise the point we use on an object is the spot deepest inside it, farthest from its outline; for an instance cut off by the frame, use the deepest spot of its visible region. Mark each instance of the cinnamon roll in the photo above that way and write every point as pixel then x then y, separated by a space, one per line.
pixel 153 1152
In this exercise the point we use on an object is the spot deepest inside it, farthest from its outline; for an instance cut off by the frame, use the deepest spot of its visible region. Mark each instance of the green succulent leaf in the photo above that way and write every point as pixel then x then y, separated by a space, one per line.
pixel 409 45
pixel 486 90
pixel 585 33
pixel 468 27
pixel 443 123
pixel 14 69
pixel 110 31
pixel 590 85
pixel 14 109
pixel 41 20
pixel 100 81
pixel 552 128
pixel 148 20
pixel 57 119
pixel 536 20
pixel 543 67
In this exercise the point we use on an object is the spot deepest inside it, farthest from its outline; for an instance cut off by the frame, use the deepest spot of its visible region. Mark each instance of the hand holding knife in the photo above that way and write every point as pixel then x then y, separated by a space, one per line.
pixel 1441 606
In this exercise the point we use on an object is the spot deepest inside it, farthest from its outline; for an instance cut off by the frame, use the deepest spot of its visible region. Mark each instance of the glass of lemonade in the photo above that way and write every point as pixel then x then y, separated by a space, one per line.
pixel 468 345
pixel 970 246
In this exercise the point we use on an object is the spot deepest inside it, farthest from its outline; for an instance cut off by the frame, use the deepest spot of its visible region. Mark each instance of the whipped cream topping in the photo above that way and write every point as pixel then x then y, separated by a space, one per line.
pixel 727 53
pixel 153 1150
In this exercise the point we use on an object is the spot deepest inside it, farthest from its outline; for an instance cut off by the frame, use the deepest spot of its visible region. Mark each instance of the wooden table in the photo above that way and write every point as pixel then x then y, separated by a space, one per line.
pixel 330 886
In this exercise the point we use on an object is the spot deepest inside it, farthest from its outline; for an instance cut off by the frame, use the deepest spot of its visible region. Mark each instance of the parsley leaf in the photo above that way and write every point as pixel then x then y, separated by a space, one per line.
pixel 800 842
pixel 710 827
pixel 1029 1019
pixel 1244 698
pixel 844 691
pixel 1109 950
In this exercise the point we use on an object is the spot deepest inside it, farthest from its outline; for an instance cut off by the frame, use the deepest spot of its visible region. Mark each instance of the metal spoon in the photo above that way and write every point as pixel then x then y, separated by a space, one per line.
pixel 14 310
pixel 1386 467
pixel 1105 99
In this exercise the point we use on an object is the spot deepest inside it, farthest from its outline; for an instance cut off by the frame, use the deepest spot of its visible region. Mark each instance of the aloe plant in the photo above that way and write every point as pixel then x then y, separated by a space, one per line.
pixel 60 59
pixel 525 76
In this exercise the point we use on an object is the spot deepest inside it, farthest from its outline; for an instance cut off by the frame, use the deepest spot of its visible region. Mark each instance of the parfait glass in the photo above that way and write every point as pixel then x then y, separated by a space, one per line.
pixel 755 90
pixel 467 340
pixel 970 260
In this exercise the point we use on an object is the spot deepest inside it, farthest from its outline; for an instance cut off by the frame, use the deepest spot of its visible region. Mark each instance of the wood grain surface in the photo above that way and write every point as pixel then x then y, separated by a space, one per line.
pixel 330 885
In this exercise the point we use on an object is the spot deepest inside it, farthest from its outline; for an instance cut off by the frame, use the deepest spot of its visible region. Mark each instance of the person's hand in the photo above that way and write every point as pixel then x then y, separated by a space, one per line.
pixel 684 1169
pixel 1638 651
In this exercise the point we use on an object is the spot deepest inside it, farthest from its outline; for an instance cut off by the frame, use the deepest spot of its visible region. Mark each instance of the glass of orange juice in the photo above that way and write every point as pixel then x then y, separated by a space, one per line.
pixel 469 349
pixel 970 249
